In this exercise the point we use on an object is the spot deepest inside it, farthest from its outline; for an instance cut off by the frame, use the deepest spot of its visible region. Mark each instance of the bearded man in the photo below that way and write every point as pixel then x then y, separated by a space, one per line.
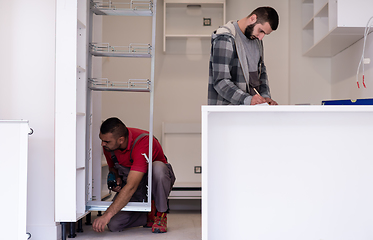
pixel 237 74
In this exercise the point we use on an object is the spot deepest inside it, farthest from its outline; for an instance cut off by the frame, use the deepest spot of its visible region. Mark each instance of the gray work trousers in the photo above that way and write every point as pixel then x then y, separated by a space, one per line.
pixel 163 178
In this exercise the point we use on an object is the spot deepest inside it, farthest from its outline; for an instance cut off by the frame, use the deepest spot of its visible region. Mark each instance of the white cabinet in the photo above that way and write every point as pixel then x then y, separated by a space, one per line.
pixel 186 19
pixel 13 178
pixel 70 110
pixel 330 26
pixel 77 183
pixel 287 172
pixel 125 11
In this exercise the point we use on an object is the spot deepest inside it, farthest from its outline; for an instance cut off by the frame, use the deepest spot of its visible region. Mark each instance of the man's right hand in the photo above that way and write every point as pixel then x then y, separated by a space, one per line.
pixel 257 99
pixel 119 184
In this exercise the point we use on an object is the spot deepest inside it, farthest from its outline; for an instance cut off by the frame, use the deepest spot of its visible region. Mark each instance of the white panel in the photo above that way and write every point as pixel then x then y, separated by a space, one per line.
pixel 70 112
pixel 296 172
pixel 354 13
pixel 322 26
pixel 14 151
pixel 333 15
pixel 97 190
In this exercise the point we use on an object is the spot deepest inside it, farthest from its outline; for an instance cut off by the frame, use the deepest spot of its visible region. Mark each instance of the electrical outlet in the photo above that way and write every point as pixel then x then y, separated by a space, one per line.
pixel 197 169
pixel 206 21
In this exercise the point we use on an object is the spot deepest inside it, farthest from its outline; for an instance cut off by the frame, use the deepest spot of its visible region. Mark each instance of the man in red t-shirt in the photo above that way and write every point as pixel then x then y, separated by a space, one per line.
pixel 125 150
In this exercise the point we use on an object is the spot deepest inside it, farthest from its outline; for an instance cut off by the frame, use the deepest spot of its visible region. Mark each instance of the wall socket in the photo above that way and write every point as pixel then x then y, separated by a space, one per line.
pixel 206 21
pixel 197 169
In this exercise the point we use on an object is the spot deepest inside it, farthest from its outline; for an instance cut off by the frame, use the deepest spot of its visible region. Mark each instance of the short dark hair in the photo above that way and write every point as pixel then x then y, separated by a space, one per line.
pixel 266 14
pixel 115 126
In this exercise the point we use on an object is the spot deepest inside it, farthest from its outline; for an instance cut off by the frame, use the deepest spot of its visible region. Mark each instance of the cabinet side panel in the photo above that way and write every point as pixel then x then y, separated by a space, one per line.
pixel 65 116
pixel 297 185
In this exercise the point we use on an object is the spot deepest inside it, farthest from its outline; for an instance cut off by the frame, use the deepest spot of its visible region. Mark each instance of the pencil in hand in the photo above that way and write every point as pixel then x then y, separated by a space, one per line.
pixel 259 94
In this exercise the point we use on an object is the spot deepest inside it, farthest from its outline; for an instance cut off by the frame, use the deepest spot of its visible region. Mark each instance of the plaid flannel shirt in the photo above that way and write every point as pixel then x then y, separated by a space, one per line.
pixel 227 84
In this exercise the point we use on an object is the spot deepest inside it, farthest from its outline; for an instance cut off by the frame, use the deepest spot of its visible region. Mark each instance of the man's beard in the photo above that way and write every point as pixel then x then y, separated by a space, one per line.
pixel 249 31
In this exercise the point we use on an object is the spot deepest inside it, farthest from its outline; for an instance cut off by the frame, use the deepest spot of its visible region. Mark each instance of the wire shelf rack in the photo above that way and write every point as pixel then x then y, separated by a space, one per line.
pixel 129 8
pixel 132 50
pixel 134 85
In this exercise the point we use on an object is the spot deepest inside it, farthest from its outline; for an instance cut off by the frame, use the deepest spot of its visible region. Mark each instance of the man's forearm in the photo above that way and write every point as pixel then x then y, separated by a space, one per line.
pixel 125 194
pixel 120 201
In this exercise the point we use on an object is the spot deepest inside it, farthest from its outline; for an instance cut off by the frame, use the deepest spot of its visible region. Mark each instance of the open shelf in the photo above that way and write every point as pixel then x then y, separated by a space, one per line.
pixel 130 8
pixel 328 28
pixel 185 19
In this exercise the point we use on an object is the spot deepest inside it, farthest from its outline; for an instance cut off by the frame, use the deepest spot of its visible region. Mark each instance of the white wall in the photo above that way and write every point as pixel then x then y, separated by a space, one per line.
pixel 344 68
pixel 27 92
pixel 309 77
pixel 132 108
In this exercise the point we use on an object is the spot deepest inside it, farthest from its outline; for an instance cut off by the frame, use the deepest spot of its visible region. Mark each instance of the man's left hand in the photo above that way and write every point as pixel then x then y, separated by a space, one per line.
pixel 270 101
pixel 100 223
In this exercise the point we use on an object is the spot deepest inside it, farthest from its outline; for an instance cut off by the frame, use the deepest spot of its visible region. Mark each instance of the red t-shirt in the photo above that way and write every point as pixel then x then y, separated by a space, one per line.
pixel 141 146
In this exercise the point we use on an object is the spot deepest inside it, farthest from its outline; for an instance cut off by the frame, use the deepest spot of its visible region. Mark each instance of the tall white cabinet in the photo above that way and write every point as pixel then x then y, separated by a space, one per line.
pixel 134 50
pixel 70 111
pixel 330 26
pixel 77 173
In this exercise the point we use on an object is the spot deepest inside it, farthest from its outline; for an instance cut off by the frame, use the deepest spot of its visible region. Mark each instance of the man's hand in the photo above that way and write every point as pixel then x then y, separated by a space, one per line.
pixel 100 223
pixel 121 200
pixel 257 99
pixel 119 184
pixel 271 102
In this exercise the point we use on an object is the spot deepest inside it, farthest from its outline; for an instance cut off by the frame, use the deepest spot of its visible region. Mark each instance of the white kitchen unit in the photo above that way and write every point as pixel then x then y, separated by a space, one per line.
pixel 78 176
pixel 71 161
pixel 330 26
pixel 127 11
pixel 14 153
pixel 287 172
pixel 188 24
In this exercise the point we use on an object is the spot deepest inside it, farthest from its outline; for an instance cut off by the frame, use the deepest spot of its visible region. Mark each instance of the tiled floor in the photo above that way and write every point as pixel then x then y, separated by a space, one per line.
pixel 182 225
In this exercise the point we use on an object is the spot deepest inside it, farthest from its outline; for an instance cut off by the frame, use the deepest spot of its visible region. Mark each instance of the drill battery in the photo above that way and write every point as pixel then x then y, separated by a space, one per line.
pixel 111 182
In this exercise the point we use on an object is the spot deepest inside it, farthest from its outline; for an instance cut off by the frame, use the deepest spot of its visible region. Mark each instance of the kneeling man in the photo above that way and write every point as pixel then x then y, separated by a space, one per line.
pixel 124 149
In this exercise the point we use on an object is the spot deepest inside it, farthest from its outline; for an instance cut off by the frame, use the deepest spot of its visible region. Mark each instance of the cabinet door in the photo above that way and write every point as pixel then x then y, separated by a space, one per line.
pixel 14 148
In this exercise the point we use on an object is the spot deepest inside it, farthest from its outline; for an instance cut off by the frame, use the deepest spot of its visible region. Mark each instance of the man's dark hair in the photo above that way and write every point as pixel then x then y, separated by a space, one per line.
pixel 115 126
pixel 266 14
